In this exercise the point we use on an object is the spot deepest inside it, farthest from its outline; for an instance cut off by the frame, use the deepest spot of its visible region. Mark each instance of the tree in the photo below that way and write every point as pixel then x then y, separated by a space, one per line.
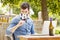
pixel 44 10
pixel 15 5
pixel 53 6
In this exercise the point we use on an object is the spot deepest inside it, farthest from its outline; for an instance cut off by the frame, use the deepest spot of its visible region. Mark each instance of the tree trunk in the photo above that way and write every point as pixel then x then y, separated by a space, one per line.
pixel 44 10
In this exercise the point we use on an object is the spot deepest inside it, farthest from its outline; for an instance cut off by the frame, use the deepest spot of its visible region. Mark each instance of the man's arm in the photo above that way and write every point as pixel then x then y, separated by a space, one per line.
pixel 13 26
pixel 21 22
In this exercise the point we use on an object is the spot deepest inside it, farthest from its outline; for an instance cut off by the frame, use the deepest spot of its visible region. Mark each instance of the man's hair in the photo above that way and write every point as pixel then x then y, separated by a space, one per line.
pixel 25 5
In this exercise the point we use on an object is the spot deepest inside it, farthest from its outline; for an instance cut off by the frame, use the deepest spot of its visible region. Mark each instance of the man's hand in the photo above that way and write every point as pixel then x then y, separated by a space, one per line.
pixel 21 22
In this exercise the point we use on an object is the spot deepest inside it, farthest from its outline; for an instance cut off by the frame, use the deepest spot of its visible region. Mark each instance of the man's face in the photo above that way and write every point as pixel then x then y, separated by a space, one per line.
pixel 25 11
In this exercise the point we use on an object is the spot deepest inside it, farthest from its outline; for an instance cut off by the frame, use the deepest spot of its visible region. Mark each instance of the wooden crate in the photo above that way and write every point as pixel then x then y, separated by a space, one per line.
pixel 4 22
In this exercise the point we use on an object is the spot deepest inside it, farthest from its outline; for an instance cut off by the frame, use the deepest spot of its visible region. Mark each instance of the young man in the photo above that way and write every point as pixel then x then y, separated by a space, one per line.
pixel 21 24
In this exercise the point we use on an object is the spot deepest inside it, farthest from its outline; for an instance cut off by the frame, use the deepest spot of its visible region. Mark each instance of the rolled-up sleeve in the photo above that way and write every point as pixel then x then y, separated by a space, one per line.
pixel 12 24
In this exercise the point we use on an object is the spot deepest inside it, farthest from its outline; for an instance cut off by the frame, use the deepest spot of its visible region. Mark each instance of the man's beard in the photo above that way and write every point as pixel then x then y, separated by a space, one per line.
pixel 24 16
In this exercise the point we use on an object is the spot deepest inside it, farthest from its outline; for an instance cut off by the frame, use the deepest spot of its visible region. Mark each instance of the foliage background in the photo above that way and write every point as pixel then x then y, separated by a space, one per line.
pixel 53 7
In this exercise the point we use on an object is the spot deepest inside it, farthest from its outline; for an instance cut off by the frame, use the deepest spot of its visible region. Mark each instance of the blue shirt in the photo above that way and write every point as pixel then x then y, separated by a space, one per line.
pixel 26 29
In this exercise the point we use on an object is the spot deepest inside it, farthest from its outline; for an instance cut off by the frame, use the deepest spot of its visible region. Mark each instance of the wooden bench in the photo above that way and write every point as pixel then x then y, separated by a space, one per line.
pixel 39 37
